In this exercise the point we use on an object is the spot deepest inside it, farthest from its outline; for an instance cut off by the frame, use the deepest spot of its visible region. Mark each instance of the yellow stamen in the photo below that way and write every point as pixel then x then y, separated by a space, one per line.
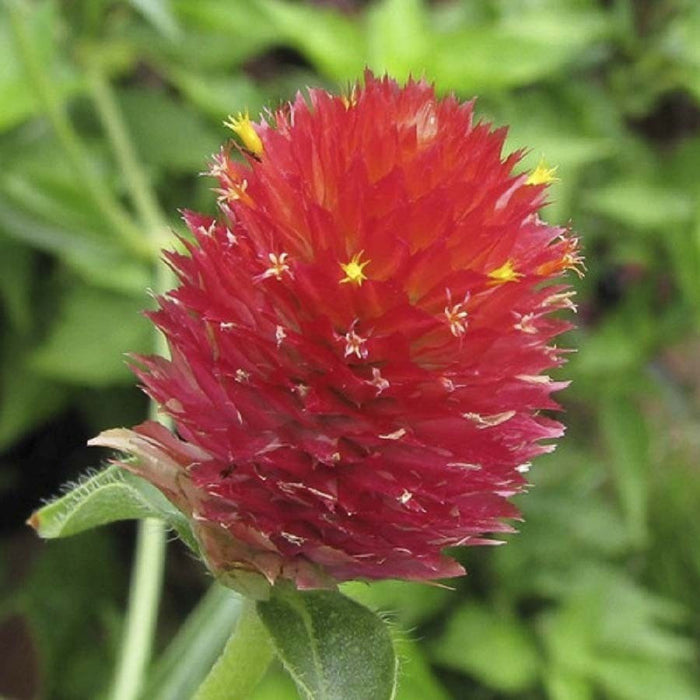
pixel 349 100
pixel 504 273
pixel 243 128
pixel 542 174
pixel 354 270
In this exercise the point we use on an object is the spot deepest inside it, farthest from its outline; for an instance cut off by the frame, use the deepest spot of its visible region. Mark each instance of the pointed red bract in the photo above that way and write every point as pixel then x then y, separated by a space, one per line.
pixel 358 342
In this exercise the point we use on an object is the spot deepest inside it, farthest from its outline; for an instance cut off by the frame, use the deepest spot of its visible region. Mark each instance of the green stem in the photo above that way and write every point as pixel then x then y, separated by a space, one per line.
pixel 697 259
pixel 137 182
pixel 195 647
pixel 242 663
pixel 147 573
pixel 52 104
pixel 146 580
pixel 144 594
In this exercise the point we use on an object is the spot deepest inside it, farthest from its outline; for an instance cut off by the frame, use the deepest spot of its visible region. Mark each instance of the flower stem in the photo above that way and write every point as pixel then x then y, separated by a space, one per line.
pixel 243 661
pixel 146 581
pixel 144 594
pixel 147 572
pixel 52 105
pixel 146 575
pixel 137 183
pixel 195 647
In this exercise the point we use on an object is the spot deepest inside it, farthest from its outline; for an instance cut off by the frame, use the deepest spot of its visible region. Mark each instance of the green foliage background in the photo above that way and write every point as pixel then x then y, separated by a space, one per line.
pixel 108 110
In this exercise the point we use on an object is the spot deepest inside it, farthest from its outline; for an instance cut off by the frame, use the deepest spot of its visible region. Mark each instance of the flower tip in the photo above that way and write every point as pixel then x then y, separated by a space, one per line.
pixel 243 128
pixel 542 174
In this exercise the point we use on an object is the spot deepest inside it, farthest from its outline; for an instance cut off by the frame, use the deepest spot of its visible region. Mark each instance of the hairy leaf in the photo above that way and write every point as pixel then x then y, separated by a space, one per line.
pixel 334 648
pixel 110 495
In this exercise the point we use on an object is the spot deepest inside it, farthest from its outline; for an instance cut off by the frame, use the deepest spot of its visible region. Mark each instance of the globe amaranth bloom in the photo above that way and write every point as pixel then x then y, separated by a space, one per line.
pixel 357 341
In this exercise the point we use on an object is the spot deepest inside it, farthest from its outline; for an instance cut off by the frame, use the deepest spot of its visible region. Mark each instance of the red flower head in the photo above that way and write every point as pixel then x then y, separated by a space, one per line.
pixel 357 342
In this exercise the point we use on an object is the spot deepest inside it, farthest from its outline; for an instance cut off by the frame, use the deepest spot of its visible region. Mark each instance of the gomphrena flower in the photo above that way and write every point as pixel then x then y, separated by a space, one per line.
pixel 357 342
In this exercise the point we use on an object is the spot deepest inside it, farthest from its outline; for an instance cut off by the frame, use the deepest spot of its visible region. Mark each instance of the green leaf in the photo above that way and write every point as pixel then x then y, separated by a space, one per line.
pixel 569 631
pixel 334 648
pixel 98 260
pixel 621 344
pixel 682 44
pixel 642 679
pixel 617 635
pixel 160 14
pixel 73 586
pixel 276 685
pixel 242 19
pixel 627 438
pixel 178 140
pixel 522 49
pixel 562 685
pixel 552 125
pixel 410 603
pixel 220 35
pixel 639 622
pixel 92 332
pixel 218 94
pixel 18 101
pixel 566 28
pixel 495 648
pixel 16 268
pixel 398 47
pixel 334 43
pixel 562 531
pixel 641 205
pixel 23 219
pixel 110 495
pixel 416 679
pixel 26 398
pixel 41 23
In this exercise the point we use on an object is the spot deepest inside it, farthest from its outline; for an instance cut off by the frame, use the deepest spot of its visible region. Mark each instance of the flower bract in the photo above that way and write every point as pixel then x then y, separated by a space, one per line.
pixel 359 341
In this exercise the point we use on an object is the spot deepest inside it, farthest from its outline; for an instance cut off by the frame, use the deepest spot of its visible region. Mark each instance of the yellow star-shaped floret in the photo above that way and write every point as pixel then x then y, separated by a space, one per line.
pixel 243 128
pixel 354 270
pixel 542 174
pixel 504 273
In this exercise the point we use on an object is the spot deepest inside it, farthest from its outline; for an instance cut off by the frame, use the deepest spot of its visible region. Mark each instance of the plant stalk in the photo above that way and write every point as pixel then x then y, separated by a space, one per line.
pixel 137 182
pixel 243 661
pixel 147 574
pixel 144 595
pixel 53 106
pixel 195 647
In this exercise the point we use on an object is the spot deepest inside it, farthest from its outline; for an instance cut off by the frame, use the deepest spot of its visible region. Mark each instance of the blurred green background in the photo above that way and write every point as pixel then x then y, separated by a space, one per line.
pixel 108 112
